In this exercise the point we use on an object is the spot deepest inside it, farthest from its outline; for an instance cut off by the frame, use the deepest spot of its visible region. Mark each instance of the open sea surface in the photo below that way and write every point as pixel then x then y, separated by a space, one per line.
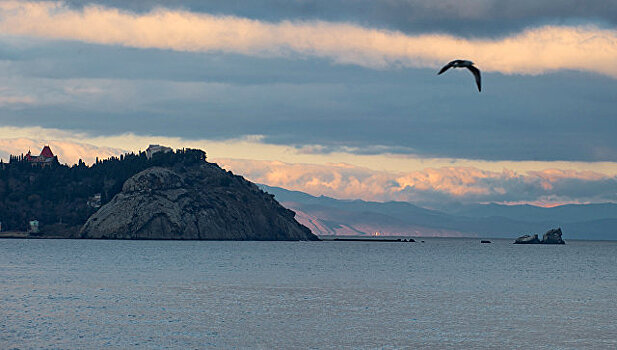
pixel 444 293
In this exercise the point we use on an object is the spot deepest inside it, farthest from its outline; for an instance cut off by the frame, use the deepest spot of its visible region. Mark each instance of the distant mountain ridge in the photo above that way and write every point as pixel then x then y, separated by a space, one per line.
pixel 567 213
pixel 329 216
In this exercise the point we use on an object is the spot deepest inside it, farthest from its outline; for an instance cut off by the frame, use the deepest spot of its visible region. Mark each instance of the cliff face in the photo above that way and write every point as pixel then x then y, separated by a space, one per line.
pixel 196 202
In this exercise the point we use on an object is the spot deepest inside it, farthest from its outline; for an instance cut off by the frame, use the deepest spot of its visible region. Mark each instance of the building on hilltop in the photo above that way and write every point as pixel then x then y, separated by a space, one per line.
pixel 46 158
pixel 152 149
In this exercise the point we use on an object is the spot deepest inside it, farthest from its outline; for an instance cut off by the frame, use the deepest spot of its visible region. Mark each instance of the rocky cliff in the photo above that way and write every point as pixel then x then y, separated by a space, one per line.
pixel 196 202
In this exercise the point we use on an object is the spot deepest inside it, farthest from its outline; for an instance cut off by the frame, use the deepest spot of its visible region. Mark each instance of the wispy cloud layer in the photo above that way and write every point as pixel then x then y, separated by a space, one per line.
pixel 433 185
pixel 424 181
pixel 15 100
pixel 532 51
pixel 411 16
pixel 254 147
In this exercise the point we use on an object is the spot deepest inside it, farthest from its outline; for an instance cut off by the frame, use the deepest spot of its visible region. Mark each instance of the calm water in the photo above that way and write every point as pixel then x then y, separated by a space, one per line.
pixel 445 293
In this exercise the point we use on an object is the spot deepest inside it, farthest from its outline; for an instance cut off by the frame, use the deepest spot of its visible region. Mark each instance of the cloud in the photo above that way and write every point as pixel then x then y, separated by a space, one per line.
pixel 474 17
pixel 311 104
pixel 16 100
pixel 533 51
pixel 254 147
pixel 369 149
pixel 433 185
pixel 424 181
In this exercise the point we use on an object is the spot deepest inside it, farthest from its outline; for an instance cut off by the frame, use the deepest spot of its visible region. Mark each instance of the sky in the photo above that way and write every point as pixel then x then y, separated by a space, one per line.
pixel 336 98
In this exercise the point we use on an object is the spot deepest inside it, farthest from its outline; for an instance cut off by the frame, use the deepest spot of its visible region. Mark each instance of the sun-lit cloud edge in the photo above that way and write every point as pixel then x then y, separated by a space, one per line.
pixel 254 147
pixel 378 177
pixel 532 51
pixel 465 184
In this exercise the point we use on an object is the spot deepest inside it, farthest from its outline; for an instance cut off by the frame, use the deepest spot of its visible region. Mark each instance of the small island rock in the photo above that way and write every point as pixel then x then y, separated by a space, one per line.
pixel 553 237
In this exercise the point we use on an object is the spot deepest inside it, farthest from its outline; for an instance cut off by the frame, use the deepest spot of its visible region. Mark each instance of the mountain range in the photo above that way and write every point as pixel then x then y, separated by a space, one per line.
pixel 329 216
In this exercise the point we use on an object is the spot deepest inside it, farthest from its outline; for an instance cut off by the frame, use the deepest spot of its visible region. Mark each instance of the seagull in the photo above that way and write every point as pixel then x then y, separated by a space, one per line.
pixel 464 64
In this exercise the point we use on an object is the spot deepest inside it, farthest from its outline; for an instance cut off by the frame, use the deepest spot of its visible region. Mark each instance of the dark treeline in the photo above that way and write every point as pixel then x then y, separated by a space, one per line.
pixel 59 194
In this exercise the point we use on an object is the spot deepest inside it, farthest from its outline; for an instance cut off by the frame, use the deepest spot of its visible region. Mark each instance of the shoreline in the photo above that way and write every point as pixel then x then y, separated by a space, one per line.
pixel 330 238
pixel 26 235
pixel 367 239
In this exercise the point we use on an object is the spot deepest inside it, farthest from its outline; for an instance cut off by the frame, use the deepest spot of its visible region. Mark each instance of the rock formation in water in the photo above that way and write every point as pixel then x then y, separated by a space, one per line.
pixel 552 236
pixel 527 239
pixel 196 202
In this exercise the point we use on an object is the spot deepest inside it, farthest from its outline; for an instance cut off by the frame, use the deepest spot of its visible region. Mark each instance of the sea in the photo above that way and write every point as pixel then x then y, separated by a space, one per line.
pixel 440 294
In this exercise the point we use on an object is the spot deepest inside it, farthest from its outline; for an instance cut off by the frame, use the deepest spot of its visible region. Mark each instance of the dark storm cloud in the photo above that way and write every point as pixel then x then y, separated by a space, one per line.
pixel 461 17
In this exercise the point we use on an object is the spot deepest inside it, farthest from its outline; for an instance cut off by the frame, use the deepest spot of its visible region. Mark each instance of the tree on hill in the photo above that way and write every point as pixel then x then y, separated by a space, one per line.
pixel 59 194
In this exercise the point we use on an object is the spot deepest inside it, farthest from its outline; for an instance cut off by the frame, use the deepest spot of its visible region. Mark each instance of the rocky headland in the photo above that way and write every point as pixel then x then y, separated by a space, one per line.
pixel 201 202
pixel 552 236
pixel 156 194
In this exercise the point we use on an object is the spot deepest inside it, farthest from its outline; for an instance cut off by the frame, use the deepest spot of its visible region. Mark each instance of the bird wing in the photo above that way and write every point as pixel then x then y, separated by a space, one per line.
pixel 446 67
pixel 476 73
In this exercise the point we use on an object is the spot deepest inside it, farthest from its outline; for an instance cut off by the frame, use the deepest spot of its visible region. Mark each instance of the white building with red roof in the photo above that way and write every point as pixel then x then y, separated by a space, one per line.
pixel 46 158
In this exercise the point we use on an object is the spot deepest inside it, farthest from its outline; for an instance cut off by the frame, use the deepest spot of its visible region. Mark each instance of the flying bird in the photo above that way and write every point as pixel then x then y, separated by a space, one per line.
pixel 464 64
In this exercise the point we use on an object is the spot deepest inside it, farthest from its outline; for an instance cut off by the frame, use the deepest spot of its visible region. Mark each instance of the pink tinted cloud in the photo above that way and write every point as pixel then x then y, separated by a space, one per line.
pixel 447 183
